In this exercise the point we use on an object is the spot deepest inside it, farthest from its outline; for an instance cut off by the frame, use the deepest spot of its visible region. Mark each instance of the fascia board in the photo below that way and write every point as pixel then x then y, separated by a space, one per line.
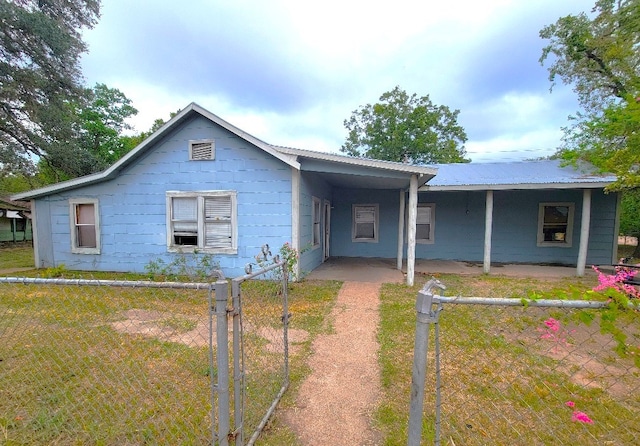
pixel 530 186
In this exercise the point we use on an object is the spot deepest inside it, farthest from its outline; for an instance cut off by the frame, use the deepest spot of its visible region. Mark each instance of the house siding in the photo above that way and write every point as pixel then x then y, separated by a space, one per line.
pixel 132 207
pixel 459 231
pixel 312 185
pixel 341 219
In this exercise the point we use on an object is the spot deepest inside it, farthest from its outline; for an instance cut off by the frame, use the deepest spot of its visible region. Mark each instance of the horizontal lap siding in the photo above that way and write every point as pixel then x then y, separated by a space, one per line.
pixel 341 223
pixel 459 230
pixel 133 206
pixel 459 226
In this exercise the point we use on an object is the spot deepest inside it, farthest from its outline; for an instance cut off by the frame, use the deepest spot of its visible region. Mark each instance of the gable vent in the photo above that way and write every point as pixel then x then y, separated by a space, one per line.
pixel 201 150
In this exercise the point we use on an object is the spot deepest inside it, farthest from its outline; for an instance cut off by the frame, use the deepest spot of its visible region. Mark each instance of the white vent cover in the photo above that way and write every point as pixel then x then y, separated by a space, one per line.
pixel 202 150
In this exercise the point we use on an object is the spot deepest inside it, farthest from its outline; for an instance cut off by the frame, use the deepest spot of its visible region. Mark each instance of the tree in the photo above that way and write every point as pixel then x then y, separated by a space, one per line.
pixel 40 80
pixel 600 57
pixel 405 129
pixel 103 120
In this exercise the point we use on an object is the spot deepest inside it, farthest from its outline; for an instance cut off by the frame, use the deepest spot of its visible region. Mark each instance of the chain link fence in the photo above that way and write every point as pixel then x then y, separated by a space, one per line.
pixel 103 362
pixel 124 362
pixel 505 371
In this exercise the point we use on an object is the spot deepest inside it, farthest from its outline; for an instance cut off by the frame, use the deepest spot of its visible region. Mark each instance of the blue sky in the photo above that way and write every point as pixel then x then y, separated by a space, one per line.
pixel 290 72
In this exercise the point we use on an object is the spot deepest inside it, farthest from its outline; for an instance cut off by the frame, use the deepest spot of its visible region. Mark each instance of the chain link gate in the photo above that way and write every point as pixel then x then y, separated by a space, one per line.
pixel 133 362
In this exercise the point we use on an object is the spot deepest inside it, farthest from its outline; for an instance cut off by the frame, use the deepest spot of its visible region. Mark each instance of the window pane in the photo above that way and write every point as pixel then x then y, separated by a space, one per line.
pixel 85 214
pixel 424 214
pixel 422 232
pixel 365 214
pixel 554 227
pixel 217 208
pixel 184 208
pixel 365 230
pixel 185 221
pixel 86 236
pixel 556 214
pixel 218 235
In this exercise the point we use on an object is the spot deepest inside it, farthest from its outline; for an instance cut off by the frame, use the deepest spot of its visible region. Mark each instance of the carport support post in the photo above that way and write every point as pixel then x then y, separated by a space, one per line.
pixel 584 232
pixel 425 317
pixel 401 229
pixel 411 230
pixel 488 226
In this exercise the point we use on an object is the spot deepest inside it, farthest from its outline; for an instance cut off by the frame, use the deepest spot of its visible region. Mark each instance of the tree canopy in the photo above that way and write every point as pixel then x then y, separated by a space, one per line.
pixel 103 120
pixel 407 129
pixel 40 80
pixel 600 57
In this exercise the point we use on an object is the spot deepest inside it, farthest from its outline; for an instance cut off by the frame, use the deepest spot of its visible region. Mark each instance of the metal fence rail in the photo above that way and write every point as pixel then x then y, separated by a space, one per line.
pixel 506 371
pixel 105 362
pixel 135 362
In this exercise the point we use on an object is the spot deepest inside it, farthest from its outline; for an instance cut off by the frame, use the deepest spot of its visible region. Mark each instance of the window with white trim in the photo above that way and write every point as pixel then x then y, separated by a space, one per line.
pixel 315 219
pixel 365 223
pixel 85 226
pixel 425 222
pixel 205 221
pixel 555 224
pixel 202 150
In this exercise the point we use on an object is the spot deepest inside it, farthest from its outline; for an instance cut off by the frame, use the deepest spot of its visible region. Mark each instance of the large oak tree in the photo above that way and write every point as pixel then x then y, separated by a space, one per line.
pixel 599 55
pixel 41 84
pixel 406 129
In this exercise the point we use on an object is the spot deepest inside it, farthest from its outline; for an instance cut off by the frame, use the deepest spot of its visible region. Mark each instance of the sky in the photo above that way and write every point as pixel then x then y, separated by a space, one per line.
pixel 290 72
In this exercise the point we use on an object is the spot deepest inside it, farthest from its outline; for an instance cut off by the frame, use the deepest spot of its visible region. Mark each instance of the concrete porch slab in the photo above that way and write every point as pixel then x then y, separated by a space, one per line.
pixel 379 270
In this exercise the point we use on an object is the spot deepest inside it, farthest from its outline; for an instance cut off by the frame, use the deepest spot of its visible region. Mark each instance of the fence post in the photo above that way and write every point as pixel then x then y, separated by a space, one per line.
pixel 425 317
pixel 238 371
pixel 222 334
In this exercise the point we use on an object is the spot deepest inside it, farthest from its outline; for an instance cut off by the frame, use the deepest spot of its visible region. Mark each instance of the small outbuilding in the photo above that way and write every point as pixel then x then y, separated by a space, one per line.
pixel 15 221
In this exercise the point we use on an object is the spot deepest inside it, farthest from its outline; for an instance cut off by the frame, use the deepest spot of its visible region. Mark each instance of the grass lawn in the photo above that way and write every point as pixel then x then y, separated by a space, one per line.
pixel 70 377
pixel 101 365
pixel 20 256
pixel 502 383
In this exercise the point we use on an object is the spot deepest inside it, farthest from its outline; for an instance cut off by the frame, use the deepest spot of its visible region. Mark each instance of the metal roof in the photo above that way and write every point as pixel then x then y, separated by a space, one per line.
pixel 355 172
pixel 547 174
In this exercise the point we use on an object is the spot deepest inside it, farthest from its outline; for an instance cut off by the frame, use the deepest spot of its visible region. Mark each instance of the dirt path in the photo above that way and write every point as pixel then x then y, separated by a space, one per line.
pixel 335 403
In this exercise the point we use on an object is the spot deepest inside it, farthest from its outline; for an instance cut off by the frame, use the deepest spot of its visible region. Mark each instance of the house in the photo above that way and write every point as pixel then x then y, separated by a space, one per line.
pixel 15 221
pixel 201 184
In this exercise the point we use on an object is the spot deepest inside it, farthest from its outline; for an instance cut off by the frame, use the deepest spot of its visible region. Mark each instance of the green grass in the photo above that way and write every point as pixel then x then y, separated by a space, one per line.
pixel 500 383
pixel 70 376
pixel 20 256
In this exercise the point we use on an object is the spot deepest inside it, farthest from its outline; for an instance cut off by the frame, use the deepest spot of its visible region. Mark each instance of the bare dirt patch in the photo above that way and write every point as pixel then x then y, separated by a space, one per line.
pixel 194 332
pixel 335 403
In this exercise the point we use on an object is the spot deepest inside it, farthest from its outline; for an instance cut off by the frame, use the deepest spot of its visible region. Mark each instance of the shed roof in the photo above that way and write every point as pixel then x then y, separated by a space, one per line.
pixel 546 174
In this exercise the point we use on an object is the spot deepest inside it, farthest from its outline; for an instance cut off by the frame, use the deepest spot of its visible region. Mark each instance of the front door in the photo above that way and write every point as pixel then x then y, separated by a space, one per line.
pixel 326 217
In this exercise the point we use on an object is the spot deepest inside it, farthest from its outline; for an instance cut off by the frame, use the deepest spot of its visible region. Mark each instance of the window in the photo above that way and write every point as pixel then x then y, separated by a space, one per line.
pixel 85 226
pixel 202 220
pixel 365 223
pixel 315 218
pixel 425 223
pixel 555 224
pixel 202 150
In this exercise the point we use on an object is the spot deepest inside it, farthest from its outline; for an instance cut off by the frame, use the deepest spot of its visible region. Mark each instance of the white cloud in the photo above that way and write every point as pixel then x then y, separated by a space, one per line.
pixel 290 72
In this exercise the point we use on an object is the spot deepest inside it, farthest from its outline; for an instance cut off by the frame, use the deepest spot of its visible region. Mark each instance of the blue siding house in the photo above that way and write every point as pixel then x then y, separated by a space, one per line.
pixel 201 184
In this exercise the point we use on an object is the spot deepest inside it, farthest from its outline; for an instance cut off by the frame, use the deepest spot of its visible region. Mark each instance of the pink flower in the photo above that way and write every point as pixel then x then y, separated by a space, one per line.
pixel 570 404
pixel 581 417
pixel 552 324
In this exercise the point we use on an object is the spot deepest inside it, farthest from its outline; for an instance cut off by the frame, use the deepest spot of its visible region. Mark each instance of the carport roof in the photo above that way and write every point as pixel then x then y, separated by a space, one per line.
pixel 353 172
pixel 546 174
